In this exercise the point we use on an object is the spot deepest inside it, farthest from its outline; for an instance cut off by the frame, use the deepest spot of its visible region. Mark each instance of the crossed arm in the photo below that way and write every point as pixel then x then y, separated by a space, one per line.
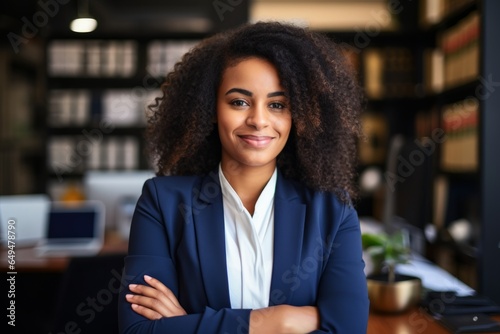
pixel 155 301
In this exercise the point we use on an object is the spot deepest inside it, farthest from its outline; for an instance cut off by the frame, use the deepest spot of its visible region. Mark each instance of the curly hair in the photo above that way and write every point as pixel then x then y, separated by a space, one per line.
pixel 324 97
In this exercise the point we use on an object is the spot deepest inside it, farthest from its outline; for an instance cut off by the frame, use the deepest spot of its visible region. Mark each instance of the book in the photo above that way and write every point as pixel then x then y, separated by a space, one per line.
pixel 389 72
pixel 92 58
pixel 460 47
pixel 459 152
pixel 163 55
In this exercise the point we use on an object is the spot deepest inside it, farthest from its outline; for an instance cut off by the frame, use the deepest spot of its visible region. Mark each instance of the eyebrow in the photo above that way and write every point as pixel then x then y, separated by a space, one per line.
pixel 276 94
pixel 249 93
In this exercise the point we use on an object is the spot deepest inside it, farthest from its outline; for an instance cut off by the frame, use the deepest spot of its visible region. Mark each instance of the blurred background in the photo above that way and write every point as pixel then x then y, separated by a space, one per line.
pixel 72 109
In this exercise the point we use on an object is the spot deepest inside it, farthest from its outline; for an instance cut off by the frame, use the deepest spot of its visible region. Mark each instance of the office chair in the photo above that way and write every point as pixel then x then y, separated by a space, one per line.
pixel 88 296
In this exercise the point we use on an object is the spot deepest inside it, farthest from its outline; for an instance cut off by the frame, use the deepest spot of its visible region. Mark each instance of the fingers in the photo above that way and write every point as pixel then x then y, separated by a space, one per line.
pixel 149 307
pixel 161 287
pixel 146 312
pixel 154 301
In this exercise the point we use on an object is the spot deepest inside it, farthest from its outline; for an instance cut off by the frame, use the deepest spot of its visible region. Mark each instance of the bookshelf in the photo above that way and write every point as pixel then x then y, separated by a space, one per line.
pixel 389 70
pixel 21 119
pixel 451 68
pixel 97 96
pixel 447 83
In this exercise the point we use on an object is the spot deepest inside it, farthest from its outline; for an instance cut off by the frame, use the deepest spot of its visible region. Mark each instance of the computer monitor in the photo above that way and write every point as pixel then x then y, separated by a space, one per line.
pixel 409 189
pixel 119 192
pixel 24 218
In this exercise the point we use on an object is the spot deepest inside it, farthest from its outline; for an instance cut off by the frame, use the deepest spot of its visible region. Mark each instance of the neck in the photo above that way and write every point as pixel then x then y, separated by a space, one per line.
pixel 247 181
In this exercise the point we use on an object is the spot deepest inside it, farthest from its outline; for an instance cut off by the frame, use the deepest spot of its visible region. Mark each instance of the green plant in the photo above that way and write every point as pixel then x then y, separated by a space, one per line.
pixel 386 251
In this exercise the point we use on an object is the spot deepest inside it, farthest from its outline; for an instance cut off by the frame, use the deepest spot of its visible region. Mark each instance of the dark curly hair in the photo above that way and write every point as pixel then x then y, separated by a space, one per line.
pixel 324 97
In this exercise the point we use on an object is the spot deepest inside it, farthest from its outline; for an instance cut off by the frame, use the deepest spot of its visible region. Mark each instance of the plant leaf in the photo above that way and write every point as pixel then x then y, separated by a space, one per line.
pixel 369 240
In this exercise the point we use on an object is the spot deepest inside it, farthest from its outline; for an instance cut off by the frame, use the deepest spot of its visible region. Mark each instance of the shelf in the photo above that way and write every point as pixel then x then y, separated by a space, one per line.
pixel 98 90
pixel 362 40
pixel 402 101
pixel 452 18
pixel 460 176
pixel 78 176
pixel 104 83
pixel 452 94
pixel 78 131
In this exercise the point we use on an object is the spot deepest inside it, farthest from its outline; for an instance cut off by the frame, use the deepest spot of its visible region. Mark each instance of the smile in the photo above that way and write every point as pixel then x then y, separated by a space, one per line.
pixel 256 141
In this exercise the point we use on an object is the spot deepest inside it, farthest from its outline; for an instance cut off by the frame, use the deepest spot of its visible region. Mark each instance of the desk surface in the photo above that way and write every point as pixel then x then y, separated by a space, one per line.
pixel 414 321
pixel 27 260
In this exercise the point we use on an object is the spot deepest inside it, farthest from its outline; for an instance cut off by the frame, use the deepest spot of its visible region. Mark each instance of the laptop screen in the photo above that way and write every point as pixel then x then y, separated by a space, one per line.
pixel 28 214
pixel 71 224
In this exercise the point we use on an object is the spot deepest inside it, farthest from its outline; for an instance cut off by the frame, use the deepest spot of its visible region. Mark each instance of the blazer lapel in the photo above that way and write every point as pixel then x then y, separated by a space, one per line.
pixel 289 220
pixel 208 218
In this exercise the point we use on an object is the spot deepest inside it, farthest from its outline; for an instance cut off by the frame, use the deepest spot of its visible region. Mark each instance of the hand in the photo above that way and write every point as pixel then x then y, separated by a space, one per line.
pixel 154 301
pixel 284 319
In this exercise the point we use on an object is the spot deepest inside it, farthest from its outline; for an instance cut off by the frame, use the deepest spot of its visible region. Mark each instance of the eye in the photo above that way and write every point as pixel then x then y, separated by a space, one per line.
pixel 238 103
pixel 277 105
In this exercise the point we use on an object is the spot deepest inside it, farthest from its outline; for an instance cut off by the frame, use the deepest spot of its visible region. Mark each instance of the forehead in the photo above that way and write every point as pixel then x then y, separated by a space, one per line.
pixel 253 71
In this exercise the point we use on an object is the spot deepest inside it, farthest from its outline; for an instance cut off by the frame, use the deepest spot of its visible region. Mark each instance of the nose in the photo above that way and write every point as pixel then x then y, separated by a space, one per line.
pixel 258 117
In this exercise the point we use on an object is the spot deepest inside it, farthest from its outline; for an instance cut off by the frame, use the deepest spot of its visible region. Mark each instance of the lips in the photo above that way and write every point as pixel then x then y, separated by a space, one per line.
pixel 256 141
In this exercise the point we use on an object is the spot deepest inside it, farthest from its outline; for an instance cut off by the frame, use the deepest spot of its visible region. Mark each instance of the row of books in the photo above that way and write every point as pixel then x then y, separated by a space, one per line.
pixel 426 122
pixel 80 107
pixel 389 72
pixel 103 58
pixel 69 107
pixel 93 58
pixel 456 60
pixel 460 124
pixel 460 47
pixel 434 11
pixel 74 154
pixel 163 55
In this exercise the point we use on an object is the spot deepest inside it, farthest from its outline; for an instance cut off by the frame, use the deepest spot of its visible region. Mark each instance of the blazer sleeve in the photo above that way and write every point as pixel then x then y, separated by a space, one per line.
pixel 149 253
pixel 342 293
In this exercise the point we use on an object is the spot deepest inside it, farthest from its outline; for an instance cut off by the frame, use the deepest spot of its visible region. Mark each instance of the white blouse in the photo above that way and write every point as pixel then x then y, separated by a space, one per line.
pixel 249 245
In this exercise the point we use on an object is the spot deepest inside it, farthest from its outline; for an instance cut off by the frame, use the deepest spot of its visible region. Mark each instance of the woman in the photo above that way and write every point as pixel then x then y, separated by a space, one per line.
pixel 254 229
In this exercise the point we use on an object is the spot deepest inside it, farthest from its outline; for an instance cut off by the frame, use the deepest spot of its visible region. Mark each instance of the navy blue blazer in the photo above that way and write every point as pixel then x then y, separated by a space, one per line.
pixel 177 236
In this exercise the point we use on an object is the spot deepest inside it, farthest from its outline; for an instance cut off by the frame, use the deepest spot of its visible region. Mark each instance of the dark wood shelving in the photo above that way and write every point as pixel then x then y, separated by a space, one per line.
pixel 455 93
pixel 79 130
pixel 87 97
pixel 97 83
pixel 452 18
pixel 402 113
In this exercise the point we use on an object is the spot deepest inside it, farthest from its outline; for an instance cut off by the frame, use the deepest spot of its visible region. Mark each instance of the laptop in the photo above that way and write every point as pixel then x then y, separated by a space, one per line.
pixel 75 229
pixel 24 219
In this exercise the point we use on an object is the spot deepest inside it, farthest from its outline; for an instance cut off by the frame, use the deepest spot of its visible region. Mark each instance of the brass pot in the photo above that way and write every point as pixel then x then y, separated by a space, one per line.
pixel 393 297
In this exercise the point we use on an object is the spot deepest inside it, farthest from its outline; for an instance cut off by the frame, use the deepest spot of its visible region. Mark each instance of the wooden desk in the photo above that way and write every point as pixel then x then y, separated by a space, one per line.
pixel 38 283
pixel 415 321
pixel 28 261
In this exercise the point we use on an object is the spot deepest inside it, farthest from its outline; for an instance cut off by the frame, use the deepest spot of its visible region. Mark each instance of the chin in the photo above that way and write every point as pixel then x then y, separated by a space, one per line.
pixel 257 163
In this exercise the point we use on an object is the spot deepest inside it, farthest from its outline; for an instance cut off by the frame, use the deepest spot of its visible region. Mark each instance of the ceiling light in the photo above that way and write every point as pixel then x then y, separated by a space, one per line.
pixel 84 22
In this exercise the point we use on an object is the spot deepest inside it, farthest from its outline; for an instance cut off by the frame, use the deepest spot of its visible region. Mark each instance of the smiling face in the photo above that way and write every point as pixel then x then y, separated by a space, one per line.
pixel 253 115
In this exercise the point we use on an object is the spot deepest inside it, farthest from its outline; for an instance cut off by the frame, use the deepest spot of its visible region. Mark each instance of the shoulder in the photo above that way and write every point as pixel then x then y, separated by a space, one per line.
pixel 170 185
pixel 309 195
pixel 330 204
pixel 175 181
pixel 323 207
